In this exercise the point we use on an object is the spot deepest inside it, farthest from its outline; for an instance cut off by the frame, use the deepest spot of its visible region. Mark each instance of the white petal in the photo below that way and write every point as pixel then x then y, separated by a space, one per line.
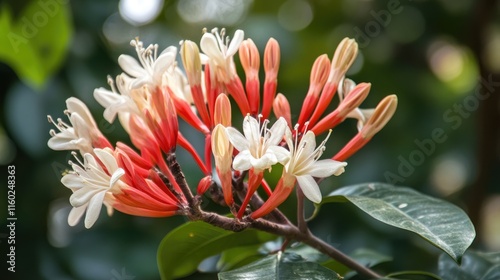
pixel 94 209
pixel 116 176
pixel 307 144
pixel 237 139
pixel 282 154
pixel 210 47
pixel 326 167
pixel 72 181
pixel 76 214
pixel 131 66
pixel 251 130
pixel 107 158
pixel 105 97
pixel 83 196
pixel 171 49
pixel 235 43
pixel 75 105
pixel 63 141
pixel 277 131
pixel 289 139
pixel 83 129
pixel 310 188
pixel 264 162
pixel 241 161
pixel 161 64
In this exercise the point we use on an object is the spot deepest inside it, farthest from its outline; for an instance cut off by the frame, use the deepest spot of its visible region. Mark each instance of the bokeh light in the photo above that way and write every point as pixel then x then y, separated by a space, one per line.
pixel 454 65
pixel 449 175
pixel 295 15
pixel 490 226
pixel 139 12
pixel 225 12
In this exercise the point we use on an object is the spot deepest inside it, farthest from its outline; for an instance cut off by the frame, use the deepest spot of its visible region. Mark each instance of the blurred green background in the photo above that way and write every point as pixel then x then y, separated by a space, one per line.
pixel 442 59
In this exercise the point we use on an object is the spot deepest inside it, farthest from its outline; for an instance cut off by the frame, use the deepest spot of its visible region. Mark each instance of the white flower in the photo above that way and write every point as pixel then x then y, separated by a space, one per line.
pixel 90 183
pixel 219 53
pixel 80 135
pixel 151 67
pixel 304 164
pixel 259 147
pixel 118 100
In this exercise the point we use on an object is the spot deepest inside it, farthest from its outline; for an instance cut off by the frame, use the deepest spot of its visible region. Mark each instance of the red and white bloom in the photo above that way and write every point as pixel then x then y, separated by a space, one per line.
pixel 259 146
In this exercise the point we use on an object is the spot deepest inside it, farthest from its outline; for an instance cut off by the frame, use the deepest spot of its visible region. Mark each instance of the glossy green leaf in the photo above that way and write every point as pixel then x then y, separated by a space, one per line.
pixel 366 257
pixel 413 275
pixel 284 266
pixel 239 256
pixel 441 223
pixel 185 247
pixel 475 266
pixel 35 41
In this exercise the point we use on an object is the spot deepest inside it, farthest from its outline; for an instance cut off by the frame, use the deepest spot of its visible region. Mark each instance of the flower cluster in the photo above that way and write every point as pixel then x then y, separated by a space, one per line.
pixel 153 92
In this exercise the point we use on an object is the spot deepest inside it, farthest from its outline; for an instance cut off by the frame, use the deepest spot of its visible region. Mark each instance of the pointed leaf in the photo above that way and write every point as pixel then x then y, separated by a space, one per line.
pixel 443 224
pixel 281 267
pixel 37 41
pixel 185 247
pixel 366 257
pixel 475 266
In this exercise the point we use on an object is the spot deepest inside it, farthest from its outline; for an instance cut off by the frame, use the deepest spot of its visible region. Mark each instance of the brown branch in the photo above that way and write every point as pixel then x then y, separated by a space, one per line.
pixel 289 231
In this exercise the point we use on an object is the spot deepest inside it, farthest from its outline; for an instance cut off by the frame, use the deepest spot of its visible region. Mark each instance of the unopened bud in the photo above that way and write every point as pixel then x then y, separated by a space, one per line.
pixel 222 112
pixel 281 108
pixel 382 114
pixel 204 184
pixel 250 58
pixel 344 56
pixel 354 98
pixel 190 54
pixel 272 57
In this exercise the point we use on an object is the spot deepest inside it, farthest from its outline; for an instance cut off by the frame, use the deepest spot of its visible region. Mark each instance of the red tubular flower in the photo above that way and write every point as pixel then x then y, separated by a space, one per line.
pixel 343 58
pixel 281 109
pixel 204 184
pixel 271 67
pixel 383 113
pixel 145 193
pixel 250 60
pixel 281 192
pixel 355 97
pixel 319 74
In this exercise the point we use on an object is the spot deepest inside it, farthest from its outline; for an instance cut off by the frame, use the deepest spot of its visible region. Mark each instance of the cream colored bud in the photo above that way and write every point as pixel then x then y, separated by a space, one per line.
pixel 382 114
pixel 344 56
pixel 190 54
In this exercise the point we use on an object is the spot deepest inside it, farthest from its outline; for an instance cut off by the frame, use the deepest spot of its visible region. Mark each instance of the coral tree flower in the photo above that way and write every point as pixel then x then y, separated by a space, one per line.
pixel 302 168
pixel 92 183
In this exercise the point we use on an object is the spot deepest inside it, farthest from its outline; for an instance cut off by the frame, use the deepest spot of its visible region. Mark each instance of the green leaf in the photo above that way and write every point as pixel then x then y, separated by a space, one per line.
pixel 36 41
pixel 239 256
pixel 413 275
pixel 366 257
pixel 443 224
pixel 283 266
pixel 185 247
pixel 475 266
